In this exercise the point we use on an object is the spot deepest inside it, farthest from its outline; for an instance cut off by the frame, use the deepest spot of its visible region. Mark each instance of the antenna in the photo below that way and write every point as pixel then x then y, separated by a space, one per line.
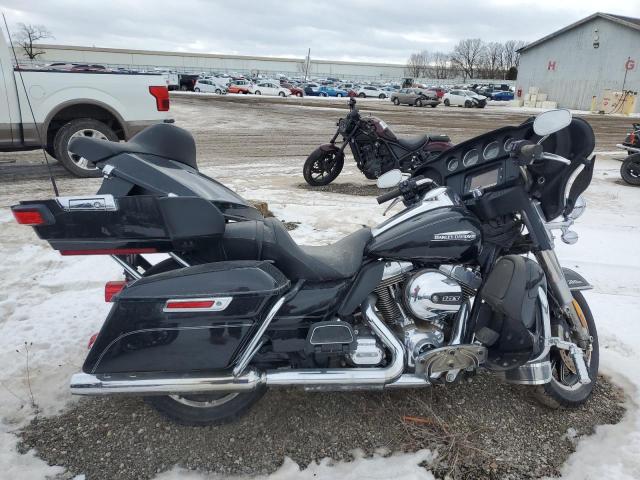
pixel 33 117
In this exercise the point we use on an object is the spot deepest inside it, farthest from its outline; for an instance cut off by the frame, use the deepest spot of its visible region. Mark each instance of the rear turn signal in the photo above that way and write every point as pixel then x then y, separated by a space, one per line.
pixel 92 340
pixel 111 289
pixel 161 94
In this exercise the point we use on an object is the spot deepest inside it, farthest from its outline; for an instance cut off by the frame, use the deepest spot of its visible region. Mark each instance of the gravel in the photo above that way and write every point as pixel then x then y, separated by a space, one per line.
pixel 481 428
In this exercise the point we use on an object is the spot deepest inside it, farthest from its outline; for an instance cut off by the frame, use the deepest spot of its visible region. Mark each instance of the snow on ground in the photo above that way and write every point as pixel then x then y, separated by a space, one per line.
pixel 55 303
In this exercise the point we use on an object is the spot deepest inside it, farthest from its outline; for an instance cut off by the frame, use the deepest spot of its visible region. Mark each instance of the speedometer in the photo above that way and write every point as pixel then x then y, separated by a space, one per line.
pixel 491 151
pixel 471 157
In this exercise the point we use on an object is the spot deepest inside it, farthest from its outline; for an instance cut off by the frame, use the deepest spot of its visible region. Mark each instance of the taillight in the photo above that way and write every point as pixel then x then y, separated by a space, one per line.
pixel 161 94
pixel 92 340
pixel 32 215
pixel 175 305
pixel 111 289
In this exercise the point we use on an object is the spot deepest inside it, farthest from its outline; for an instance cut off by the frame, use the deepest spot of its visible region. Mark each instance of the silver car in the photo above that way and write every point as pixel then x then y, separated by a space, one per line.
pixel 414 96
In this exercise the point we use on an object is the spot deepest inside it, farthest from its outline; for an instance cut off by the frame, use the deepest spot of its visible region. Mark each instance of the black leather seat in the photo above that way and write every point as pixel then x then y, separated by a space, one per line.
pixel 413 142
pixel 161 140
pixel 340 260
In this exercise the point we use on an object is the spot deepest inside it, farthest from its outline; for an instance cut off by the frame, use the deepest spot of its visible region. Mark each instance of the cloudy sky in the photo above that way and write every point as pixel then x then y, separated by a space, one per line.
pixel 368 30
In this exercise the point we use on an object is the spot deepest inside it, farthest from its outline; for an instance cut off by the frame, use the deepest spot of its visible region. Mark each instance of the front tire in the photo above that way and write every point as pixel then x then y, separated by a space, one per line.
pixel 323 167
pixel 81 127
pixel 282 94
pixel 564 390
pixel 201 409
pixel 218 91
pixel 630 169
pixel 257 92
pixel 447 103
pixel 197 90
pixel 362 95
pixel 467 104
pixel 382 96
pixel 396 101
pixel 418 103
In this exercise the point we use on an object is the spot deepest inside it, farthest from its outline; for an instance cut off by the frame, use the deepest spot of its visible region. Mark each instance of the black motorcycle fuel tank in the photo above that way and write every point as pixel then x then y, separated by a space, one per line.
pixel 447 234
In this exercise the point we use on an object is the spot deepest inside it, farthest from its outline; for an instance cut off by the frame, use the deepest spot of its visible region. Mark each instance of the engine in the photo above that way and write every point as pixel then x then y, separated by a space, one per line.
pixel 422 304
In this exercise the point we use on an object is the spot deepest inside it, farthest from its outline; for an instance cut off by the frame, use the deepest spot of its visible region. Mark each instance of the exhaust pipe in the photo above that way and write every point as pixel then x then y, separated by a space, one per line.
pixel 339 378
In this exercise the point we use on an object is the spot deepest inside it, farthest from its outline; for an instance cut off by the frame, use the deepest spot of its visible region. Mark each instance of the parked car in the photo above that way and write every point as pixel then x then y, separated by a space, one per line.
pixel 208 86
pixel 269 88
pixel 371 92
pixel 297 91
pixel 414 96
pixel 502 95
pixel 239 86
pixel 326 91
pixel 102 104
pixel 464 98
pixel 439 91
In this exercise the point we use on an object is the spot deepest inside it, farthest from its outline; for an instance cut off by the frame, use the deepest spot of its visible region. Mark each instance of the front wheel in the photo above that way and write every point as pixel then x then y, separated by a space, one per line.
pixel 218 91
pixel 467 104
pixel 339 95
pixel 418 103
pixel 197 90
pixel 362 95
pixel 564 389
pixel 630 169
pixel 257 92
pixel 447 103
pixel 322 167
pixel 382 96
pixel 396 101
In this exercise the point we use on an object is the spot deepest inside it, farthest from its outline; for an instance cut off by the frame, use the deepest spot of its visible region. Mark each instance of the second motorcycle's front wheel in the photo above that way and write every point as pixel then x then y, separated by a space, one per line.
pixel 322 167
pixel 630 169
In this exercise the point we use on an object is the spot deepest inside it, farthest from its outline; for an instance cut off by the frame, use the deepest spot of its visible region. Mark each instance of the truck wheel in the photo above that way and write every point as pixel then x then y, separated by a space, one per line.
pixel 81 127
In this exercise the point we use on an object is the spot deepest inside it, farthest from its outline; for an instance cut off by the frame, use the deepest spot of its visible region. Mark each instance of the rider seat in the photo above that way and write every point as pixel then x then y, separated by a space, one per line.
pixel 414 142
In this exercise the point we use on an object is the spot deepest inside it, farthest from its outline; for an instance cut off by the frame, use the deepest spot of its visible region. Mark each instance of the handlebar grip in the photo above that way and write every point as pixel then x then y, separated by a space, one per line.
pixel 385 197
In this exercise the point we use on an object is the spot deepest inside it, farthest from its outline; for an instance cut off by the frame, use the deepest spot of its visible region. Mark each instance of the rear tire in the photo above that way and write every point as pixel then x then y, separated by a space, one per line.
pixel 467 104
pixel 322 167
pixel 382 96
pixel 447 103
pixel 282 94
pixel 362 95
pixel 218 91
pixel 396 101
pixel 630 169
pixel 87 127
pixel 197 90
pixel 257 92
pixel 563 390
pixel 204 409
pixel 418 103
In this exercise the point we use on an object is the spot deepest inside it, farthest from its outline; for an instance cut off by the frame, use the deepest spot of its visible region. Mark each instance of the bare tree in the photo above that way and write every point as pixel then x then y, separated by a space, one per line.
pixel 510 55
pixel 467 55
pixel 493 54
pixel 417 64
pixel 440 65
pixel 27 35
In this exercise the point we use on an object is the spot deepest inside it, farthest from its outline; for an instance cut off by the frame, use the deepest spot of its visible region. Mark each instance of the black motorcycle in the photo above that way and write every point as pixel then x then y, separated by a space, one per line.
pixel 437 291
pixel 376 149
pixel 630 168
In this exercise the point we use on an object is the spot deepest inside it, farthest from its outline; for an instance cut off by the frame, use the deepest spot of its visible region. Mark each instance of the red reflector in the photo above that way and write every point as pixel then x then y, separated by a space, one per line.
pixel 109 251
pixel 161 94
pixel 113 288
pixel 92 340
pixel 190 304
pixel 28 217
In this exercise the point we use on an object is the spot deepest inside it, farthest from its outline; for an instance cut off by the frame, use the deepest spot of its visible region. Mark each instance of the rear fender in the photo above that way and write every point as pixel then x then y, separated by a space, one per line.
pixel 575 280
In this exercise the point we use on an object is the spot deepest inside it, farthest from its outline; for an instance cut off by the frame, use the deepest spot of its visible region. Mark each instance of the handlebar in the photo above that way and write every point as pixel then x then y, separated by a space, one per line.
pixel 385 197
pixel 409 189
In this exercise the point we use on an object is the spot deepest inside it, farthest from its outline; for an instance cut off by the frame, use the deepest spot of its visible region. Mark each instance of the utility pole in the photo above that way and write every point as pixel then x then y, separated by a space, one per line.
pixel 306 68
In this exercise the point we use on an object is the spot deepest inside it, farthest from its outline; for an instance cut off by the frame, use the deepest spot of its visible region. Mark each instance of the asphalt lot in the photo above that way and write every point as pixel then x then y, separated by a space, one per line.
pixel 268 133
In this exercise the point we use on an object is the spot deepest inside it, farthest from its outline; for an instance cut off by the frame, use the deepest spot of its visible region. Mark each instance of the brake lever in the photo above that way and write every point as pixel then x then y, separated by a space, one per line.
pixel 555 158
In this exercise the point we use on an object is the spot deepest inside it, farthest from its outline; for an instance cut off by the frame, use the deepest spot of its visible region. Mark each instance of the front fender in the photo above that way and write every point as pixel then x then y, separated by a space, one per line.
pixel 575 280
pixel 328 147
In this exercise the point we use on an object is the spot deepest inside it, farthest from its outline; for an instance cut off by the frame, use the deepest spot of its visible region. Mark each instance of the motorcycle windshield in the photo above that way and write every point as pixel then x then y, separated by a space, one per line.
pixel 160 176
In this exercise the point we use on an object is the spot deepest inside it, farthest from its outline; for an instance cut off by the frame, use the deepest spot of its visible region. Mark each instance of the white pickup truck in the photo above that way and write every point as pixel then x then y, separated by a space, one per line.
pixel 66 104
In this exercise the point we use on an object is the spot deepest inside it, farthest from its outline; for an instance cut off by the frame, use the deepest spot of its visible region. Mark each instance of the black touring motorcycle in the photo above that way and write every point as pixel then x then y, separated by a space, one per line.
pixel 375 148
pixel 442 288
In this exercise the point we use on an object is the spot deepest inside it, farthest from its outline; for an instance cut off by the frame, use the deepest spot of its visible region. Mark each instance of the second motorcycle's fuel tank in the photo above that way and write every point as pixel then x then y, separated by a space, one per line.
pixel 437 230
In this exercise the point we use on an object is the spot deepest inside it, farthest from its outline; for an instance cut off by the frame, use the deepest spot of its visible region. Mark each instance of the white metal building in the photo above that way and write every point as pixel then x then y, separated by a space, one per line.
pixel 582 60
pixel 203 62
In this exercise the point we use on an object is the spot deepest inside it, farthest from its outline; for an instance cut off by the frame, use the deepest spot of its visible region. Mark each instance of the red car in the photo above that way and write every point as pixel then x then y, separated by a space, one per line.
pixel 239 86
pixel 297 91
pixel 439 91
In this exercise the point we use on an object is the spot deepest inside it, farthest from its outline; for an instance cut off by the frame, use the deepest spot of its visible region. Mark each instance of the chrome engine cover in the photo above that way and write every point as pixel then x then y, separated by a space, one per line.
pixel 430 294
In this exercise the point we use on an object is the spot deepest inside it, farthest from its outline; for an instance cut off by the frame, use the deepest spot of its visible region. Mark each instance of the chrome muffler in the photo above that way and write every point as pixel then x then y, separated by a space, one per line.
pixel 326 379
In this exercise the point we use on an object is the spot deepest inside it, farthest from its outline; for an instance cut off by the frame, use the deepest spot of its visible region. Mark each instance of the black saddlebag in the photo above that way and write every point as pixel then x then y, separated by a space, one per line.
pixel 191 319
pixel 508 320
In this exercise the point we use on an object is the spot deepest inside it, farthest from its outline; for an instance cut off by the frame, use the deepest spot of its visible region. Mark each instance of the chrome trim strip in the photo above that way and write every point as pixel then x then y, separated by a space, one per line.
pixel 219 304
pixel 84 203
pixel 180 260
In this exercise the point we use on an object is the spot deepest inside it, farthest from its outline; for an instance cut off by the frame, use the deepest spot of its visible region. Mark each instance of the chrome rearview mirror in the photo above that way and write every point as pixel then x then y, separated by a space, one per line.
pixel 390 179
pixel 552 121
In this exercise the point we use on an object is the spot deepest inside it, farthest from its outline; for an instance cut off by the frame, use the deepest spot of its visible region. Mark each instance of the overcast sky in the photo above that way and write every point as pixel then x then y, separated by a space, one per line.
pixel 368 30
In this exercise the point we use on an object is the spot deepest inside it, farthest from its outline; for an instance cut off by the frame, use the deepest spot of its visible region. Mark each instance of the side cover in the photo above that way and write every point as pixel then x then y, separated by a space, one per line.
pixel 191 319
